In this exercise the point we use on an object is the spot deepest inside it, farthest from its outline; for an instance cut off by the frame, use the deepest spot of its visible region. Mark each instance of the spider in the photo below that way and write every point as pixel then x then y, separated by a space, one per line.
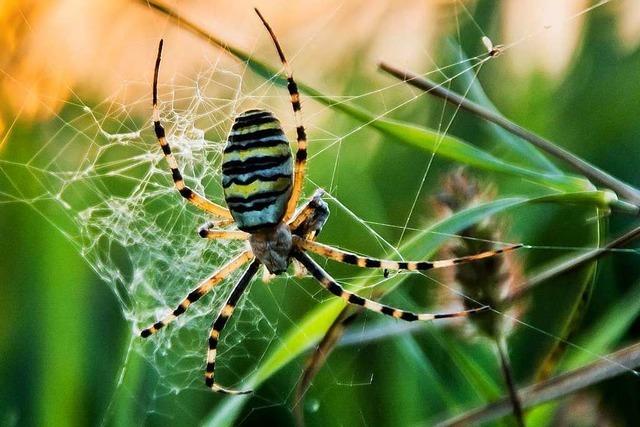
pixel 262 185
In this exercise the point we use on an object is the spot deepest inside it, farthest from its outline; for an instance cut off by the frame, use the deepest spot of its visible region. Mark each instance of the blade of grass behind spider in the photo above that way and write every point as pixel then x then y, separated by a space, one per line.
pixel 476 93
pixel 416 355
pixel 533 349
pixel 422 138
pixel 481 381
pixel 587 169
pixel 423 244
pixel 599 339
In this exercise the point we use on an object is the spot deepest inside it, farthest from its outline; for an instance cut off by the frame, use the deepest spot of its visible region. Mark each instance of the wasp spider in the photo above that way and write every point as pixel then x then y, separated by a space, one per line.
pixel 262 186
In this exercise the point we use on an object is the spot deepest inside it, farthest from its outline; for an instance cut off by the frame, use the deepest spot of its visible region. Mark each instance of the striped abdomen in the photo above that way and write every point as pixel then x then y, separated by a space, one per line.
pixel 257 170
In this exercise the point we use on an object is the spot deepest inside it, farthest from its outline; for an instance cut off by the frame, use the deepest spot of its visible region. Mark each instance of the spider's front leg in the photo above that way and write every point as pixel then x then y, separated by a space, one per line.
pixel 190 195
pixel 308 222
pixel 310 219
pixel 301 134
pixel 345 257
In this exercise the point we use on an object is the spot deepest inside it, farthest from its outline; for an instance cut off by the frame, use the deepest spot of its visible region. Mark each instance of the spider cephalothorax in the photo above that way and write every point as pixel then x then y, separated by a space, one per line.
pixel 262 189
pixel 273 246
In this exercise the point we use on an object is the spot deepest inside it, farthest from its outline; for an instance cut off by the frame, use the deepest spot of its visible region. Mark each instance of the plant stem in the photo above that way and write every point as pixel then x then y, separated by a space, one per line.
pixel 590 171
pixel 501 345
pixel 563 385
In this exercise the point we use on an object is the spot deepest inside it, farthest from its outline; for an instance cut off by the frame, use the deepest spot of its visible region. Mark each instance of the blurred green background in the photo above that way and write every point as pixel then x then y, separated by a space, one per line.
pixel 68 353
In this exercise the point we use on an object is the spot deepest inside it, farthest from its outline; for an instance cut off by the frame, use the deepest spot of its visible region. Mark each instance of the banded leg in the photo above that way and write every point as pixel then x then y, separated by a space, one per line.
pixel 311 217
pixel 199 292
pixel 308 222
pixel 350 258
pixel 332 286
pixel 218 326
pixel 208 231
pixel 196 199
pixel 301 135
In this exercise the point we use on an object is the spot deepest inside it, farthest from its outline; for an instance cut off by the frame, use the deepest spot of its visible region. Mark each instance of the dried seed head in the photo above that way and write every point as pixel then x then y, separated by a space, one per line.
pixel 487 281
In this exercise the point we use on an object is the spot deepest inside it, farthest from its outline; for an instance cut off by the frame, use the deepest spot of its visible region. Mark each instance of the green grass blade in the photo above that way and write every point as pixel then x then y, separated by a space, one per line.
pixel 426 139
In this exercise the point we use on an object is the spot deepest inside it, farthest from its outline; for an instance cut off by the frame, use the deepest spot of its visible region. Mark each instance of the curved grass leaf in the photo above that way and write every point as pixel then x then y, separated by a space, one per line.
pixel 535 352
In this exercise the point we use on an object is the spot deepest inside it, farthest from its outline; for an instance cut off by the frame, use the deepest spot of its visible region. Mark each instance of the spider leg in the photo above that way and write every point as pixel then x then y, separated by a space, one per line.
pixel 332 286
pixel 301 135
pixel 350 258
pixel 308 222
pixel 199 292
pixel 196 199
pixel 311 217
pixel 208 231
pixel 218 326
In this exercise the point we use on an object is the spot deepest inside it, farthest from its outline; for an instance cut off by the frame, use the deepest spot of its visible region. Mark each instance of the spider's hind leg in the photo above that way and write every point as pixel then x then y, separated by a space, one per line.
pixel 332 286
pixel 199 292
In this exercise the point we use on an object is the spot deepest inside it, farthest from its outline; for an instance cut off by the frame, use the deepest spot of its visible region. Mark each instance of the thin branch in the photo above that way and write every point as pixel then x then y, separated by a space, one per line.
pixel 588 170
pixel 563 385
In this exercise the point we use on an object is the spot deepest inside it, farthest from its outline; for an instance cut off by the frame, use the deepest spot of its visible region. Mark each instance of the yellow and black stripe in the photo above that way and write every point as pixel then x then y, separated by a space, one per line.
pixel 257 171
pixel 186 192
pixel 199 292
pixel 332 286
pixel 218 326
pixel 366 262
pixel 301 135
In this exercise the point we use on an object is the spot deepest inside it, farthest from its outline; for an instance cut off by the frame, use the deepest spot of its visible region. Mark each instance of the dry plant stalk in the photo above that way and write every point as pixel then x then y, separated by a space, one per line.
pixel 489 281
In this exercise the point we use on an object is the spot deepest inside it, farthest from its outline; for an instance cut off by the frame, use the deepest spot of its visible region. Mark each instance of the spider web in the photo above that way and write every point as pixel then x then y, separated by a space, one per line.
pixel 102 181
